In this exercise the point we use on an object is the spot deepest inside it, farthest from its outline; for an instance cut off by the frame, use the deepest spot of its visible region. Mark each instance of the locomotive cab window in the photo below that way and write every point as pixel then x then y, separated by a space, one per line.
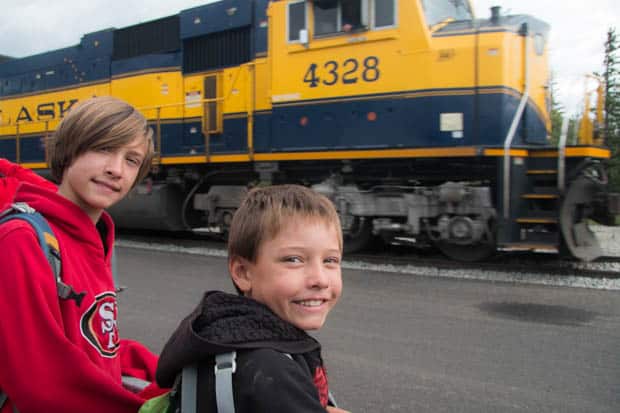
pixel 343 16
pixel 384 13
pixel 296 21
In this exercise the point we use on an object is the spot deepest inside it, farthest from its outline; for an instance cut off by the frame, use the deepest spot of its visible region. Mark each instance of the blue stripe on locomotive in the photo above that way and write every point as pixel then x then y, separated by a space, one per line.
pixel 400 123
pixel 7 149
pixel 187 138
pixel 31 149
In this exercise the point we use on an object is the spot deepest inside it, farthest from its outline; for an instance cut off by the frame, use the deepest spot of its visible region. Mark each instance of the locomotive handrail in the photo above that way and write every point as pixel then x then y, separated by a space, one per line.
pixel 23 122
pixel 562 155
pixel 158 110
pixel 171 105
pixel 17 148
pixel 18 135
pixel 514 124
pixel 157 157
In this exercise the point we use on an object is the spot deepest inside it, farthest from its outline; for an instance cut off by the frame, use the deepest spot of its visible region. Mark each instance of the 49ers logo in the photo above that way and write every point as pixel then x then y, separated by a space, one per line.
pixel 99 326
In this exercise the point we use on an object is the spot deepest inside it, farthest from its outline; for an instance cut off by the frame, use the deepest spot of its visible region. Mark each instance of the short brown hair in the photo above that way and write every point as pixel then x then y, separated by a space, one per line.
pixel 97 123
pixel 265 210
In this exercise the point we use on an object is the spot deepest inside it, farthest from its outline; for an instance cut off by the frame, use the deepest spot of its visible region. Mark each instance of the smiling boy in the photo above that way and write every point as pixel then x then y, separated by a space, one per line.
pixel 284 253
pixel 65 355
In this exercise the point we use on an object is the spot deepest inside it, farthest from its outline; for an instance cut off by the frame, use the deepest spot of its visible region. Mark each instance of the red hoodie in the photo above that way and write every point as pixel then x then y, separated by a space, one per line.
pixel 55 355
pixel 11 175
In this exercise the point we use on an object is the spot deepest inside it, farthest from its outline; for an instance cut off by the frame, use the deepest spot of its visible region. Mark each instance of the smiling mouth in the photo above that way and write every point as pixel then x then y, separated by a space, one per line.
pixel 113 188
pixel 310 303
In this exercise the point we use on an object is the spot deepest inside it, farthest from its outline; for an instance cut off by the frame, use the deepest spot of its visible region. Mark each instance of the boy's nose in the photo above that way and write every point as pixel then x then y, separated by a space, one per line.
pixel 114 165
pixel 319 277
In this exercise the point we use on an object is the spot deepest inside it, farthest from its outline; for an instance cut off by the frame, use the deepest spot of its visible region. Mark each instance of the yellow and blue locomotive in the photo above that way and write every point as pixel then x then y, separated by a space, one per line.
pixel 421 122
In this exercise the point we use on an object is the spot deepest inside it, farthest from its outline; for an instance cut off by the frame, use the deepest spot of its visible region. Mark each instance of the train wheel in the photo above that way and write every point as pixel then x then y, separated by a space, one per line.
pixel 577 237
pixel 359 235
pixel 474 252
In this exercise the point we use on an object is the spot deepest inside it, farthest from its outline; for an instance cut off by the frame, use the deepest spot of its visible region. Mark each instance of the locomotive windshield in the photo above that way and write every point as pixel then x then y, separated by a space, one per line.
pixel 438 11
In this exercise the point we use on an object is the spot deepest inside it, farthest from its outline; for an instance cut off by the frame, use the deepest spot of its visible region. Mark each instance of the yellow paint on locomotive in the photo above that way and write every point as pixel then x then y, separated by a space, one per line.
pixel 401 51
pixel 501 63
pixel 163 89
pixel 37 113
pixel 418 61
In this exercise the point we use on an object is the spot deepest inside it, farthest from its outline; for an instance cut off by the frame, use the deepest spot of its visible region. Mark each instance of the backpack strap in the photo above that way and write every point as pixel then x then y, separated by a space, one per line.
pixel 48 243
pixel 189 389
pixel 225 367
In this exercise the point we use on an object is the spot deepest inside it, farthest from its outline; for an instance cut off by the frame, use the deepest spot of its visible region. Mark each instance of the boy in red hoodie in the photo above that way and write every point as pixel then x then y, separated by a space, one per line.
pixel 65 355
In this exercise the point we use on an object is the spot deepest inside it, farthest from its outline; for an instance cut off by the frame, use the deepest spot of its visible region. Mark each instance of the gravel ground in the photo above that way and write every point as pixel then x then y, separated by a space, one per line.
pixel 580 279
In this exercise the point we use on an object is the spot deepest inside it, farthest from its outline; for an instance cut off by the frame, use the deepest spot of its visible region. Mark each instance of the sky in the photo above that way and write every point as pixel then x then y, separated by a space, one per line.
pixel 578 29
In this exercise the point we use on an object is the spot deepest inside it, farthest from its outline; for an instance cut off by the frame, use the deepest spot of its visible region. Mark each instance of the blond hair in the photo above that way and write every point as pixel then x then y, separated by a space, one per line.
pixel 264 212
pixel 98 123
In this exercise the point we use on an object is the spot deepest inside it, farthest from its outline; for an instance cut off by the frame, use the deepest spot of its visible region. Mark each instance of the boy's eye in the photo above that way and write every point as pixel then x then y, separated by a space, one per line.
pixel 134 161
pixel 332 260
pixel 292 259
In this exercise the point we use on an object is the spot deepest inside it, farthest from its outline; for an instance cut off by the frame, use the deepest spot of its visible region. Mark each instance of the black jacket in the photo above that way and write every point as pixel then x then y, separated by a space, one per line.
pixel 267 379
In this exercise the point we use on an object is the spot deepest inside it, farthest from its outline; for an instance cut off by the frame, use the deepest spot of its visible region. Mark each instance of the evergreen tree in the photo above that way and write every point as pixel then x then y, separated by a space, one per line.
pixel 573 128
pixel 612 106
pixel 557 112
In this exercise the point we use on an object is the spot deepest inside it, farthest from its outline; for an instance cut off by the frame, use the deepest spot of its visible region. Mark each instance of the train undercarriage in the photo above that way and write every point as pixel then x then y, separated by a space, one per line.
pixel 464 219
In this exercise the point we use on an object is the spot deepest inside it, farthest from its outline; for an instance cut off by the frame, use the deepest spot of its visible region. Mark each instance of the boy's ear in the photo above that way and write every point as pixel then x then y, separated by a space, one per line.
pixel 240 273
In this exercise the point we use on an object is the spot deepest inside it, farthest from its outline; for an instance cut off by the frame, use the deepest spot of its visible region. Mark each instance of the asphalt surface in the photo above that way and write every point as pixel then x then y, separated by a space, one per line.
pixel 410 343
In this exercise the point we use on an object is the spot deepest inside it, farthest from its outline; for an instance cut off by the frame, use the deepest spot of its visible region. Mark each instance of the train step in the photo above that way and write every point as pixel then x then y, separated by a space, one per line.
pixel 547 183
pixel 537 220
pixel 540 196
pixel 538 236
pixel 530 246
pixel 543 164
pixel 542 172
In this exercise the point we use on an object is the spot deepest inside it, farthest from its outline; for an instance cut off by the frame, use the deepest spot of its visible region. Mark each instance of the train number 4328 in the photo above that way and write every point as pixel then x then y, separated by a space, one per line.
pixel 349 72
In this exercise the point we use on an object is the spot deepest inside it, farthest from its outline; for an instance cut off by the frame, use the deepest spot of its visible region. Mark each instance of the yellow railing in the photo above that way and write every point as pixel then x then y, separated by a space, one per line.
pixel 204 120
pixel 146 110
pixel 18 136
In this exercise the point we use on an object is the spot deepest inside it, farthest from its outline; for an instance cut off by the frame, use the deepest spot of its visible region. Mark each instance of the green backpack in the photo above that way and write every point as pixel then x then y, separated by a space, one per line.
pixel 187 384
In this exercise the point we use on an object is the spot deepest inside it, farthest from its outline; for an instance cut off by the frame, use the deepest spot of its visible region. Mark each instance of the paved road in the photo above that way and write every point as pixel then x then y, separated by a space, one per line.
pixel 404 343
